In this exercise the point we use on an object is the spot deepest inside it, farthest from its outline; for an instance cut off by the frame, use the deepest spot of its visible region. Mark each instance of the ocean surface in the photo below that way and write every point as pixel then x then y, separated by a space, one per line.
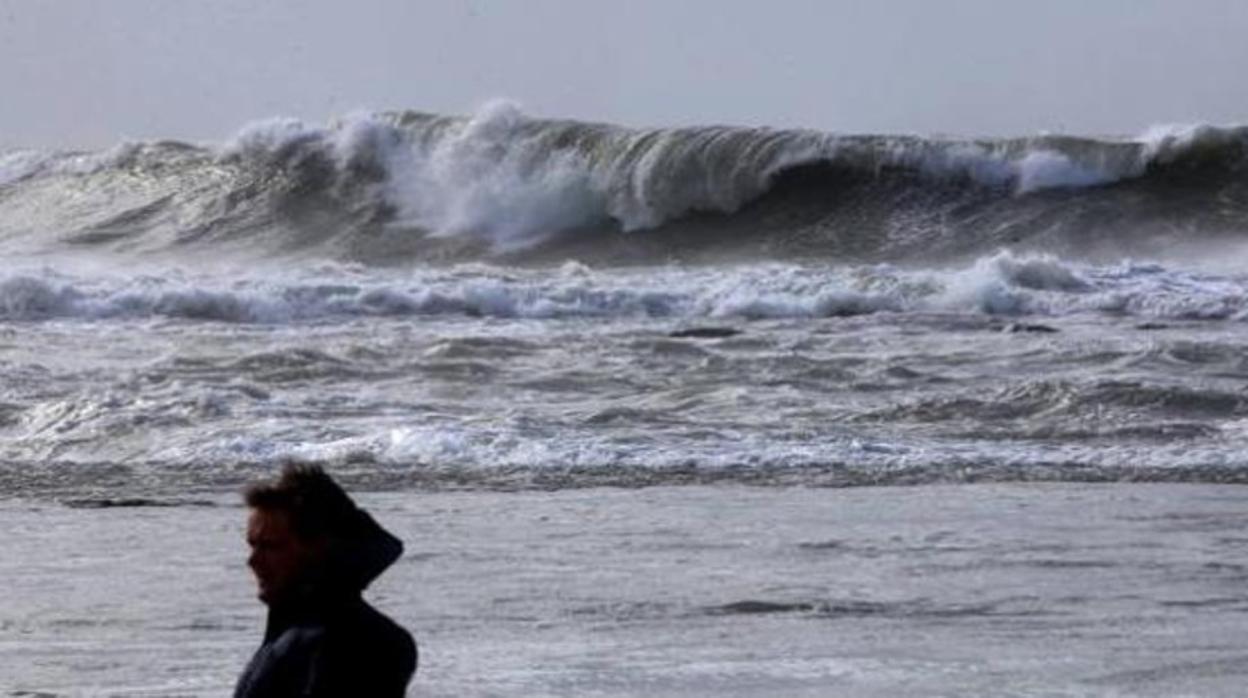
pixel 502 310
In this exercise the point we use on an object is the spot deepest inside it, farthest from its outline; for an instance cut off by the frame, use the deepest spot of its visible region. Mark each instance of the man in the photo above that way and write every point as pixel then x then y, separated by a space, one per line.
pixel 313 552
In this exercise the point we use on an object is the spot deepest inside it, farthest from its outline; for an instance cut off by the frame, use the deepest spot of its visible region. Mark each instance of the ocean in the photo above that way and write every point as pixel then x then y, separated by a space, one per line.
pixel 687 411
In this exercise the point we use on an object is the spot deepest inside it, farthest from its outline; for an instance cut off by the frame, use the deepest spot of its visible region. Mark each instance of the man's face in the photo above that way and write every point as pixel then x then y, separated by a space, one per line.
pixel 279 558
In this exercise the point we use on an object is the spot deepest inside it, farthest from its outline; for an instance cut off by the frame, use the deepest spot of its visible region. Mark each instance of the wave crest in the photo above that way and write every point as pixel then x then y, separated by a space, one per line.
pixel 410 185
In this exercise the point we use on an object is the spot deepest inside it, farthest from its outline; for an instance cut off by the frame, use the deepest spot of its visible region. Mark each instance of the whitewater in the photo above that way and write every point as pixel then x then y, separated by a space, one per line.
pixel 671 411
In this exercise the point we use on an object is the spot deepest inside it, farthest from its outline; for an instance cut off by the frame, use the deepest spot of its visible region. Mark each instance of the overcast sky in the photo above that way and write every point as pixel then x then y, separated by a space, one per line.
pixel 79 73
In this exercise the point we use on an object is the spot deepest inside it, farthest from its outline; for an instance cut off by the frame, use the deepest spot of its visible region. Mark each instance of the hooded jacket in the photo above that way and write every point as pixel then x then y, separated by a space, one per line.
pixel 326 642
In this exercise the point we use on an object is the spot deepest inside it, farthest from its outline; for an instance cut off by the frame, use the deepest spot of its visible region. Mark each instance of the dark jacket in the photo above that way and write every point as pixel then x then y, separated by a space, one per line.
pixel 327 642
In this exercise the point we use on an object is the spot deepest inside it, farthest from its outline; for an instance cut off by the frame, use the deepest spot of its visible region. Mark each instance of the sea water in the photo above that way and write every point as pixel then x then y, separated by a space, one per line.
pixel 672 411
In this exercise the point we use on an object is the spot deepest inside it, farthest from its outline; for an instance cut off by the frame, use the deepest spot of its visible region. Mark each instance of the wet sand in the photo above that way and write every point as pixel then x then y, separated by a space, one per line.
pixel 1004 590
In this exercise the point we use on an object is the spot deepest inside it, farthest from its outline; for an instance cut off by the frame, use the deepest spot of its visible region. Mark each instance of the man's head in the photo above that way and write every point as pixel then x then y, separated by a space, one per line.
pixel 295 522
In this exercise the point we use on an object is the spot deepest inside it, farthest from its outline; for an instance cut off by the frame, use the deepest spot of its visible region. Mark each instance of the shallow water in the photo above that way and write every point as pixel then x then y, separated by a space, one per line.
pixel 1007 590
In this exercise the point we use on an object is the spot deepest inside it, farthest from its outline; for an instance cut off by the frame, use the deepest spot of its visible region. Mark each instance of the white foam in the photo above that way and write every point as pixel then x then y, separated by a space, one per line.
pixel 980 288
pixel 503 446
pixel 753 303
pixel 965 160
pixel 25 297
pixel 491 180
pixel 1000 284
pixel 265 136
pixel 21 164
pixel 1038 284
pixel 1035 168
pixel 1040 272
pixel 1046 169
pixel 1164 143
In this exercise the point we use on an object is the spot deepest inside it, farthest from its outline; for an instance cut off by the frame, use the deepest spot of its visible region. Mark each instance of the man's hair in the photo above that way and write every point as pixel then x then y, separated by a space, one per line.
pixel 318 507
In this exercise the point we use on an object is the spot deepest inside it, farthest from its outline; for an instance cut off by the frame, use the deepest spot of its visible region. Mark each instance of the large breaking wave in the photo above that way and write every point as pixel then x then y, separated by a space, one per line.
pixel 409 186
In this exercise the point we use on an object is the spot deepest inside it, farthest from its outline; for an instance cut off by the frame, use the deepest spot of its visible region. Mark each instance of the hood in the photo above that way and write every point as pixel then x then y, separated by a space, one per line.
pixel 356 558
pixel 362 554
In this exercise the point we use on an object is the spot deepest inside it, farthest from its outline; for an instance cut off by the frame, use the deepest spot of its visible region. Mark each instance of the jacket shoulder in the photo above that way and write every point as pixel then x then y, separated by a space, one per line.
pixel 392 641
pixel 282 666
pixel 365 654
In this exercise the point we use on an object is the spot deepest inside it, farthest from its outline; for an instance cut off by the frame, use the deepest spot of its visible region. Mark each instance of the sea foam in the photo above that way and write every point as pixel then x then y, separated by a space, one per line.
pixel 1003 283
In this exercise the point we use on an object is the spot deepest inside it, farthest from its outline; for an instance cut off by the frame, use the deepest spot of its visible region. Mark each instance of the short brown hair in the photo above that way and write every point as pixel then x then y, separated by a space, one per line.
pixel 318 507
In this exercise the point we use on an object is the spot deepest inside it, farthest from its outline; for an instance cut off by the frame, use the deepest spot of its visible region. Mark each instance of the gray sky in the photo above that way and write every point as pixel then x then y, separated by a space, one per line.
pixel 89 72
